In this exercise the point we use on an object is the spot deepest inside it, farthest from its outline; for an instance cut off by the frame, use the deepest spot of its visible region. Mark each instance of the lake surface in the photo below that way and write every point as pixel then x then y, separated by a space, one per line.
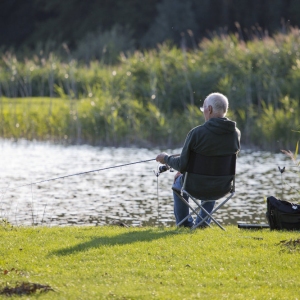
pixel 130 194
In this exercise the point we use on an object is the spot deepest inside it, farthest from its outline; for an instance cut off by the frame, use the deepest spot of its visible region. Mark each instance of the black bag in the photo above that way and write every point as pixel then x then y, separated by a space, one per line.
pixel 283 214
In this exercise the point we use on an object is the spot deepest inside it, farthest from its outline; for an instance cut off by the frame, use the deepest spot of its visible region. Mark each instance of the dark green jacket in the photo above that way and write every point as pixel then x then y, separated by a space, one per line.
pixel 216 137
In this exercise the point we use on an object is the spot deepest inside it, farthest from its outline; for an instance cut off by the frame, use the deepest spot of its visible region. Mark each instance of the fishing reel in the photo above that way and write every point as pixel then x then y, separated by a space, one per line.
pixel 161 169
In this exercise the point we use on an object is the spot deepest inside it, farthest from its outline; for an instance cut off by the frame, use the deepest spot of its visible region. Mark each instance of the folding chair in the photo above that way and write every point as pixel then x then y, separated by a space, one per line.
pixel 212 167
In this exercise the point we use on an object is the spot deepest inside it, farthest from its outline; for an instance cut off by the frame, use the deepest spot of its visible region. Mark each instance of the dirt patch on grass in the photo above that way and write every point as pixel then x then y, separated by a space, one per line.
pixel 25 288
pixel 290 245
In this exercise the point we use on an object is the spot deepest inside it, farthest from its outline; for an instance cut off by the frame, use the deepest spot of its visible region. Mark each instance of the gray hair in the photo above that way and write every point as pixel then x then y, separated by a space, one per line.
pixel 219 103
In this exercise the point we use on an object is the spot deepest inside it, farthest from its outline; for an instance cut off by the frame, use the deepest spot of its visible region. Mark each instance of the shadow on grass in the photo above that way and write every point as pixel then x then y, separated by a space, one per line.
pixel 121 239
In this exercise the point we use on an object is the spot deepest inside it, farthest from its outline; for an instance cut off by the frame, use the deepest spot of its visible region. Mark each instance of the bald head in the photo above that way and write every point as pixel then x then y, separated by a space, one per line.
pixel 219 104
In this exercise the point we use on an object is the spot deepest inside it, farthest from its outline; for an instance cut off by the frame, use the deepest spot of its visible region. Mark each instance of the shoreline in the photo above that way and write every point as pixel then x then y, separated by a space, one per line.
pixel 142 145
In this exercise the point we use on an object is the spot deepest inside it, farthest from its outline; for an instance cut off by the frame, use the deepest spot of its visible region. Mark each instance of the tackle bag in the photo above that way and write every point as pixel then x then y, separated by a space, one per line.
pixel 282 214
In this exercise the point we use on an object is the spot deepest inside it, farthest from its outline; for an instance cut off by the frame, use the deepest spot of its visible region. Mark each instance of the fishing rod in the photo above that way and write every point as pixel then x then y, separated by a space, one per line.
pixel 161 169
pixel 81 173
pixel 164 167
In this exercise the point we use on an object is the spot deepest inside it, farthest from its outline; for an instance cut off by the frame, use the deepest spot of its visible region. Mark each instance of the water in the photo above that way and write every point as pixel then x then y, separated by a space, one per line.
pixel 130 194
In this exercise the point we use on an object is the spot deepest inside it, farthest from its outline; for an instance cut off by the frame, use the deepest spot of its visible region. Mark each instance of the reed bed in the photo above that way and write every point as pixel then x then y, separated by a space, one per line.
pixel 149 95
pixel 94 120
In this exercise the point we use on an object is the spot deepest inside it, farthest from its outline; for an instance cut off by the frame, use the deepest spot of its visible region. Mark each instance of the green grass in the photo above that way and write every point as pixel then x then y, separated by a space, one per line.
pixel 103 120
pixel 151 263
pixel 95 120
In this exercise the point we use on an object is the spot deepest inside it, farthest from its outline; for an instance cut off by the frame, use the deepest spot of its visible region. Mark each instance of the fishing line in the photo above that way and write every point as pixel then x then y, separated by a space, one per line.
pixel 157 201
pixel 91 171
pixel 160 169
pixel 81 173
pixel 32 209
pixel 2 196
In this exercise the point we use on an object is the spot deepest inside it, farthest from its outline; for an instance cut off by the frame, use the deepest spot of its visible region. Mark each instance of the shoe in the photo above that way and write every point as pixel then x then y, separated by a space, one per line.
pixel 202 226
pixel 186 226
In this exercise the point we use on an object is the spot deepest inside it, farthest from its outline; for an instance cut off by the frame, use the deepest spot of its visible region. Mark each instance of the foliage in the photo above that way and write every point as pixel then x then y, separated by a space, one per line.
pixel 293 157
pixel 5 225
pixel 150 263
pixel 104 46
pixel 35 22
pixel 174 19
pixel 147 93
pixel 98 120
pixel 276 124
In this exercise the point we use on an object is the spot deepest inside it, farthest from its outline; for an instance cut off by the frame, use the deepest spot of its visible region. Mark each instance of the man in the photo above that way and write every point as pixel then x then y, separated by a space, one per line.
pixel 217 136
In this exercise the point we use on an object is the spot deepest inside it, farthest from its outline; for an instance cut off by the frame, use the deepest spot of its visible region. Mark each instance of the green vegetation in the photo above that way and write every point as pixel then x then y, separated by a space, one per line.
pixel 96 120
pixel 151 263
pixel 296 168
pixel 153 96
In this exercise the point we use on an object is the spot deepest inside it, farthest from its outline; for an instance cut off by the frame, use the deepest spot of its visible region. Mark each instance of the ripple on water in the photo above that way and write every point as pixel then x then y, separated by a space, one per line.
pixel 130 194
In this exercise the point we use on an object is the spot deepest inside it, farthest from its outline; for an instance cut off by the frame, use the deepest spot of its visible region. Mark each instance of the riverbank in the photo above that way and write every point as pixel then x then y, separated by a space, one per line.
pixel 150 263
pixel 153 97
pixel 97 121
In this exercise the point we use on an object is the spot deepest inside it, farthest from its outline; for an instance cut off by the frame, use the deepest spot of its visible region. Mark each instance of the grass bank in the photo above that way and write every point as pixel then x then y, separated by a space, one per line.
pixel 96 120
pixel 151 263
pixel 103 120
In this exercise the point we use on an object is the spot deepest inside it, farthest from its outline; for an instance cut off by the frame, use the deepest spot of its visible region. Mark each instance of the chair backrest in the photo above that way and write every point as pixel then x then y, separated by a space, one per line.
pixel 211 165
pixel 216 175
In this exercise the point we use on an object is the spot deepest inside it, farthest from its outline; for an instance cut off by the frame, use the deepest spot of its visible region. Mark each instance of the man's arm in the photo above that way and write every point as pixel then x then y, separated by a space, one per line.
pixel 178 163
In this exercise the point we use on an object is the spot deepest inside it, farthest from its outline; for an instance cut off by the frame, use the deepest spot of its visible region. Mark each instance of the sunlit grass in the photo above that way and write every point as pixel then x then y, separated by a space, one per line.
pixel 151 263
pixel 98 119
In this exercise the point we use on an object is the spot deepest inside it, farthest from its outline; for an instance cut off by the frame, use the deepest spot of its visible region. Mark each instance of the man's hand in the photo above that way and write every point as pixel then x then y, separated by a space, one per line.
pixel 160 157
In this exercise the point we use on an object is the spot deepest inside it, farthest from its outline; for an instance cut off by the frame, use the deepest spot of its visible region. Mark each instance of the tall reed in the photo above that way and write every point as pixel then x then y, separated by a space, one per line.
pixel 141 99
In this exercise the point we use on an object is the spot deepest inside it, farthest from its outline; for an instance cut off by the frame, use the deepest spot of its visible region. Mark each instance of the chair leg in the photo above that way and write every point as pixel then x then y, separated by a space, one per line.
pixel 208 215
pixel 200 207
pixel 186 203
pixel 192 209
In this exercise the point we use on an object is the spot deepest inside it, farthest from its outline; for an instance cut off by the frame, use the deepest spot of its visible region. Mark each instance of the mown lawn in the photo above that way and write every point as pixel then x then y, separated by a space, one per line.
pixel 113 262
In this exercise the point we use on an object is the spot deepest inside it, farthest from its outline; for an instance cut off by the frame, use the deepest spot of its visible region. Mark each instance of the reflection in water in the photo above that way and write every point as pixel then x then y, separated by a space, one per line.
pixel 131 194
